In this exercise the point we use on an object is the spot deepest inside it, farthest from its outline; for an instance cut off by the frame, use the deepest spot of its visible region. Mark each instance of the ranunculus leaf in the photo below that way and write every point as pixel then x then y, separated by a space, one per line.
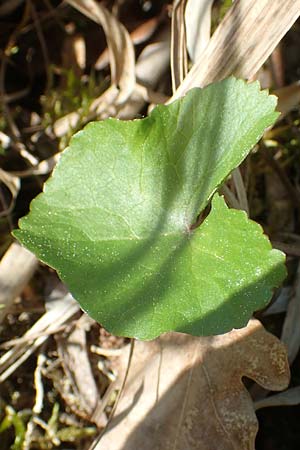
pixel 115 219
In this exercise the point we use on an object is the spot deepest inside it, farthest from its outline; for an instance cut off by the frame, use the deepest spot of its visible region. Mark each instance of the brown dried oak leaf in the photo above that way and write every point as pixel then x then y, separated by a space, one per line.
pixel 186 393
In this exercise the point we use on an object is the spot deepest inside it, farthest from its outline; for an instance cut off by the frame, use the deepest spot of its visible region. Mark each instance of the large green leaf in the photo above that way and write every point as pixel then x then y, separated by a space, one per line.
pixel 116 217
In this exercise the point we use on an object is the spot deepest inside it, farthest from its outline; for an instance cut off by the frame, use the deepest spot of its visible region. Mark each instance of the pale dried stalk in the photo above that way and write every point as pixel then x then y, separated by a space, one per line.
pixel 39 400
pixel 243 41
pixel 179 62
pixel 16 268
pixel 9 6
pixel 72 350
pixel 288 98
pixel 290 397
pixel 120 46
pixel 42 168
pixel 291 330
pixel 62 311
pixel 240 190
pixel 198 26
pixel 13 184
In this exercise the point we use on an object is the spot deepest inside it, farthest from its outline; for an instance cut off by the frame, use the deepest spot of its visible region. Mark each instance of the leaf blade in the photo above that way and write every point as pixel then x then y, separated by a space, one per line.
pixel 115 219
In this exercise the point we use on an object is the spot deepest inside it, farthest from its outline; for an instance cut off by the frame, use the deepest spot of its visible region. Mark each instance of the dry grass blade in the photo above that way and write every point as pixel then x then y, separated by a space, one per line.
pixel 72 350
pixel 68 122
pixel 281 302
pixel 13 184
pixel 43 44
pixel 42 168
pixel 74 54
pixel 121 50
pixel 198 25
pixel 230 197
pixel 152 64
pixel 124 369
pixel 153 61
pixel 139 35
pixel 288 98
pixel 17 95
pixel 16 268
pixel 291 330
pixel 62 310
pixel 287 398
pixel 289 249
pixel 9 6
pixel 243 41
pixel 5 140
pixel 178 44
pixel 39 400
pixel 240 190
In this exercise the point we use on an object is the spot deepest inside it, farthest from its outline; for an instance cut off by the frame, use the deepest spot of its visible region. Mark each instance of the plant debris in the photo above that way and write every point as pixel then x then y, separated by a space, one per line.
pixel 64 64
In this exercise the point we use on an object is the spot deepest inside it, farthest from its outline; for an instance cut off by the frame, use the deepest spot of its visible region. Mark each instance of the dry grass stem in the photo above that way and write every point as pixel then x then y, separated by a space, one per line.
pixel 179 60
pixel 62 310
pixel 242 42
pixel 290 397
pixel 198 26
pixel 16 268
pixel 291 329
pixel 121 50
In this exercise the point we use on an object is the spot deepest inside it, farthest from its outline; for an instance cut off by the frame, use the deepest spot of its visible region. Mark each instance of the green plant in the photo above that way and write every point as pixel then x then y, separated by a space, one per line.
pixel 16 420
pixel 117 218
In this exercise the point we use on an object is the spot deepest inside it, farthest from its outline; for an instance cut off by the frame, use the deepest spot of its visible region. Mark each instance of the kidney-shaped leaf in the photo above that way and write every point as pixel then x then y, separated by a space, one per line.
pixel 115 220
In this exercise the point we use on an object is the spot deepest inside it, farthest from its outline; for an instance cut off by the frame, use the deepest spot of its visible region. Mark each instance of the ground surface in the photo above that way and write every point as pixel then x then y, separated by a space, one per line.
pixel 53 64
